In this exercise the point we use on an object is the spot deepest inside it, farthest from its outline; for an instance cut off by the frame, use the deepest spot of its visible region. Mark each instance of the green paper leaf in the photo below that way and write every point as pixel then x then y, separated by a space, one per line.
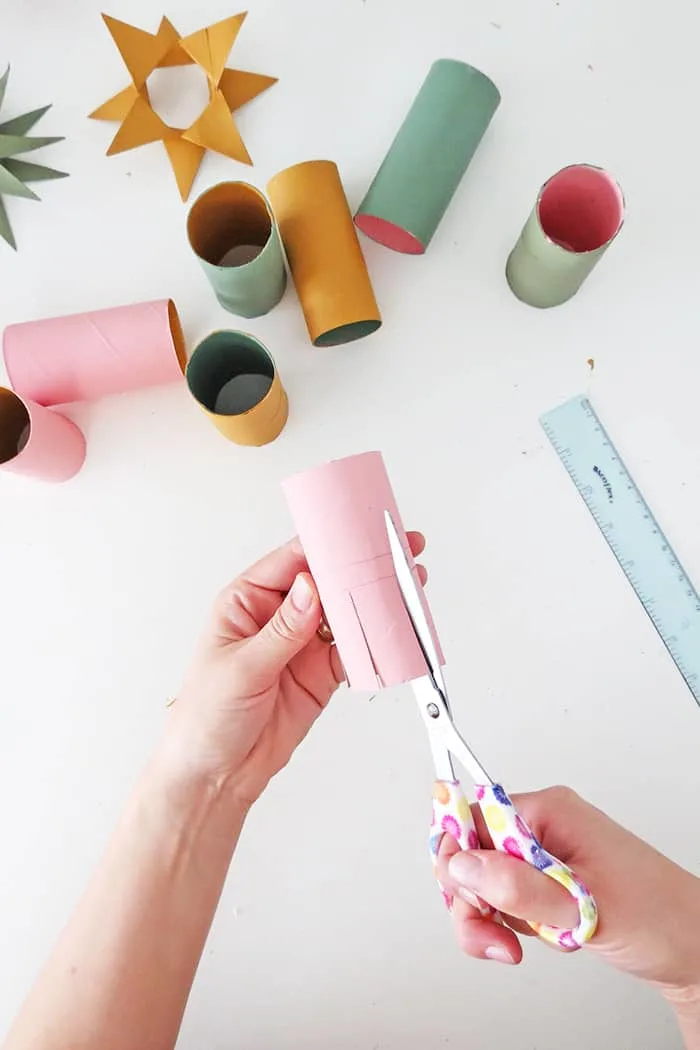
pixel 10 184
pixel 10 145
pixel 15 174
pixel 5 228
pixel 3 85
pixel 21 125
pixel 29 172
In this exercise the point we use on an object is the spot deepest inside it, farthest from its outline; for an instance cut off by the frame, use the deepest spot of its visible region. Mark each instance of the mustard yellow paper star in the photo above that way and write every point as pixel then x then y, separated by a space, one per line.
pixel 229 89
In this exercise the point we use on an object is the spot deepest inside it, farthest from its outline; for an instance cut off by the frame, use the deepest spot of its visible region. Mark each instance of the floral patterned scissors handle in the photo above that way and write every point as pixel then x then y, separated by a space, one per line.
pixel 451 812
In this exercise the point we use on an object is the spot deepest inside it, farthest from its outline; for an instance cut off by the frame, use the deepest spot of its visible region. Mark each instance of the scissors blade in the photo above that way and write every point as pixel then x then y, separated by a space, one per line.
pixel 426 697
pixel 444 735
pixel 411 596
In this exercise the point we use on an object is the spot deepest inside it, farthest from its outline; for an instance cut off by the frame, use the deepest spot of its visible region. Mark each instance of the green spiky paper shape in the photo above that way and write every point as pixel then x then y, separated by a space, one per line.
pixel 15 174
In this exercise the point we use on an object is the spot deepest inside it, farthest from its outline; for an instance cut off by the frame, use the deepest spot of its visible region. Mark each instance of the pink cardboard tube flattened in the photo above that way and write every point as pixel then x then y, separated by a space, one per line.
pixel 36 441
pixel 338 510
pixel 85 357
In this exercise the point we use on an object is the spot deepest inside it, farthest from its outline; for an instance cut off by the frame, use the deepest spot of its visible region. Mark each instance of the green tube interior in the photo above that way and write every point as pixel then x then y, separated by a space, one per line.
pixel 229 373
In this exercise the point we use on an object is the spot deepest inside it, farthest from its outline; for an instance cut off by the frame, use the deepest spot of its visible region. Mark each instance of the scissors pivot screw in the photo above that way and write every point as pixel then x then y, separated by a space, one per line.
pixel 433 710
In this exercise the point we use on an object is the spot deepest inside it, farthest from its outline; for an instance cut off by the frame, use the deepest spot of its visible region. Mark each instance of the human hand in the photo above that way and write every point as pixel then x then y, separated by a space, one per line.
pixel 649 907
pixel 260 677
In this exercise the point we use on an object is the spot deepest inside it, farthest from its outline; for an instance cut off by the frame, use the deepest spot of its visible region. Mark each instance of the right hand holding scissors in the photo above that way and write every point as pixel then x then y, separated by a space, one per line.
pixel 640 893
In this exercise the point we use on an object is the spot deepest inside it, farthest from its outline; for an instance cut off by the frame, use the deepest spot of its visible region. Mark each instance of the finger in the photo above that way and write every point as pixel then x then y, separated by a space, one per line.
pixel 484 939
pixel 449 848
pixel 241 610
pixel 251 600
pixel 317 670
pixel 278 569
pixel 245 605
pixel 513 887
pixel 416 541
pixel 292 626
pixel 422 574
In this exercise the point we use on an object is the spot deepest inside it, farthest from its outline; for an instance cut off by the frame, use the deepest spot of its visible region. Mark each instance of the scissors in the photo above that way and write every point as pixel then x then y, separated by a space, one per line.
pixel 451 811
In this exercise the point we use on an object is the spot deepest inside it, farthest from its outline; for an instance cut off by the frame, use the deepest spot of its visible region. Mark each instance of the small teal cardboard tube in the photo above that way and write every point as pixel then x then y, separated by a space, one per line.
pixel 433 148
pixel 233 233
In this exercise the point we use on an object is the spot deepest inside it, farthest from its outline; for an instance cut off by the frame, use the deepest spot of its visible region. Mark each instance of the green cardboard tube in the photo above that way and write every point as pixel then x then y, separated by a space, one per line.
pixel 233 233
pixel 577 215
pixel 431 152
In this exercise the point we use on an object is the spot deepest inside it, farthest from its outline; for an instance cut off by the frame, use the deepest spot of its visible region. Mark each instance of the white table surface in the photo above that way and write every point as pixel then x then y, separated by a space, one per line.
pixel 331 932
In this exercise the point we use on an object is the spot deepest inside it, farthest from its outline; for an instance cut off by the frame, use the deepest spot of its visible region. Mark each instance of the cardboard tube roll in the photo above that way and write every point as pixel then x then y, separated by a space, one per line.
pixel 426 161
pixel 234 379
pixel 36 441
pixel 233 233
pixel 578 214
pixel 324 254
pixel 338 510
pixel 84 357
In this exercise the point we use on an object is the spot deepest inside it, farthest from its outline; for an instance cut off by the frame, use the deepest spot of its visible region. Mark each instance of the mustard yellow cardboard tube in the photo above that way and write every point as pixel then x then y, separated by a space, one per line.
pixel 233 378
pixel 324 254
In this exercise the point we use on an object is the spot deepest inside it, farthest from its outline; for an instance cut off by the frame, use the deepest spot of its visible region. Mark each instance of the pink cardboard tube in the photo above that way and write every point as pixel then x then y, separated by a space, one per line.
pixel 36 441
pixel 338 510
pixel 84 357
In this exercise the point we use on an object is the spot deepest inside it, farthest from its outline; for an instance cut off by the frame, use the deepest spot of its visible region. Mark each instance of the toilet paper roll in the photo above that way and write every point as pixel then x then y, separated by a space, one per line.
pixel 324 254
pixel 338 510
pixel 578 214
pixel 84 357
pixel 36 441
pixel 234 379
pixel 432 150
pixel 233 233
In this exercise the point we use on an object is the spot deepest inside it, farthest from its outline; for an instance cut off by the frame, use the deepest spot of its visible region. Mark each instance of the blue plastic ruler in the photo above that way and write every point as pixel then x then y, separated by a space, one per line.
pixel 631 530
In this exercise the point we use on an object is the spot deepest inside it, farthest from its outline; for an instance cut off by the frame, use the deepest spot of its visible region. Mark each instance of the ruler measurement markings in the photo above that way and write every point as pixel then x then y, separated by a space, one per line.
pixel 631 531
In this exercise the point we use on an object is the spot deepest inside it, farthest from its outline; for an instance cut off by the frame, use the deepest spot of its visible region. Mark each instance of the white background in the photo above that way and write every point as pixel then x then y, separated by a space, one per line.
pixel 331 932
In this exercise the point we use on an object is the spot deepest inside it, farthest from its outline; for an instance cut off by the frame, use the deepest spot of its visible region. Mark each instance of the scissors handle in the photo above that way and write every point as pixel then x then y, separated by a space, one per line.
pixel 452 815
pixel 511 834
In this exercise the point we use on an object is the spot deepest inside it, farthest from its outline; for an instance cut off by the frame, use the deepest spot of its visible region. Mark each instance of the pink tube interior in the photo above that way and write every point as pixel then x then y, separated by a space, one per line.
pixel 581 208
pixel 391 236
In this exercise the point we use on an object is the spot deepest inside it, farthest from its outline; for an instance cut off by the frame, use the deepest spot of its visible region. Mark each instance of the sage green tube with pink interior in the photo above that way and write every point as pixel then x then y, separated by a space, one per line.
pixel 433 148
pixel 578 214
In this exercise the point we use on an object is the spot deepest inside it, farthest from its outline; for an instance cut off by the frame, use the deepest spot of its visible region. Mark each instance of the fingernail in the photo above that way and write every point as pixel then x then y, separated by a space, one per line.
pixel 498 954
pixel 467 869
pixel 301 595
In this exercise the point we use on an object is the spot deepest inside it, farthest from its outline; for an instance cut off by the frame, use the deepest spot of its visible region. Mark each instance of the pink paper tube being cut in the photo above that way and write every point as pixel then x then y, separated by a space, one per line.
pixel 36 441
pixel 338 510
pixel 84 357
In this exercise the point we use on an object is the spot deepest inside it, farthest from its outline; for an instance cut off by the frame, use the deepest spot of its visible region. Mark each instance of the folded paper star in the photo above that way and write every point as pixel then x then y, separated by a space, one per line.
pixel 15 174
pixel 229 89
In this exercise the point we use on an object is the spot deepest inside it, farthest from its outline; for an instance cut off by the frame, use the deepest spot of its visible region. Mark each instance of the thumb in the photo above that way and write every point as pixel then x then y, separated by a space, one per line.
pixel 292 626
pixel 511 886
